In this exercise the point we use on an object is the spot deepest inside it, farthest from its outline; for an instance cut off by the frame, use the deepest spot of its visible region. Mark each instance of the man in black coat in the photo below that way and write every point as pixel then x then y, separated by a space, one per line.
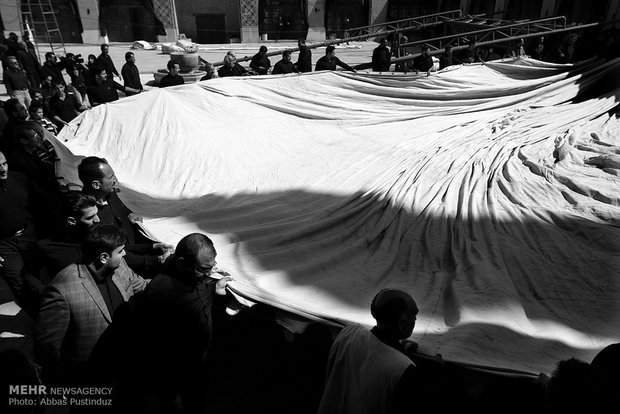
pixel 260 63
pixel 330 61
pixel 424 62
pixel 304 60
pixel 131 74
pixel 381 57
pixel 285 65
pixel 172 78
pixel 105 60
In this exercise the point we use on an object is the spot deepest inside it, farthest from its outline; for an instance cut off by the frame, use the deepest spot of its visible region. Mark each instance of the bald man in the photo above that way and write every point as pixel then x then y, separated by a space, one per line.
pixel 367 370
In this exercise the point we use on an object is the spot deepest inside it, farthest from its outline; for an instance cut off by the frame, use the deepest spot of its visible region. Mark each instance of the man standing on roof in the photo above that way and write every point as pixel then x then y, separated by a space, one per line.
pixel 330 61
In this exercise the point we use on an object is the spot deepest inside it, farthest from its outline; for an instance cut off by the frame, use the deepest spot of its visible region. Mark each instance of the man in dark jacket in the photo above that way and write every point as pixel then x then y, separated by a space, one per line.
pixel 105 60
pixel 131 74
pixel 381 57
pixel 285 65
pixel 260 63
pixel 330 61
pixel 51 68
pixel 99 180
pixel 424 62
pixel 172 78
pixel 304 60
pixel 172 324
pixel 105 89
pixel 16 82
pixel 231 67
pixel 17 235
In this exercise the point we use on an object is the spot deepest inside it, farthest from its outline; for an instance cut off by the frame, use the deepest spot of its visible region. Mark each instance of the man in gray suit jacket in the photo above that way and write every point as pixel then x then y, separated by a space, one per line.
pixel 79 303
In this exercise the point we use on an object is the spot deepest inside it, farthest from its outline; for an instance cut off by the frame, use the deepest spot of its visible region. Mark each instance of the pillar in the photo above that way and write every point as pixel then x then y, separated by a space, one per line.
pixel 378 11
pixel 165 11
pixel 249 20
pixel 316 20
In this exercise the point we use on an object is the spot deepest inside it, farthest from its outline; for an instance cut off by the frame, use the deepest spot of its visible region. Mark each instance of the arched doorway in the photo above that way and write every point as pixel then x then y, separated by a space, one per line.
pixel 337 10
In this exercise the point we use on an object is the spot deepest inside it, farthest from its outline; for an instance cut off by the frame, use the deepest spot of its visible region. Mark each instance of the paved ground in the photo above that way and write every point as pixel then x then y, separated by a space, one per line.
pixel 149 61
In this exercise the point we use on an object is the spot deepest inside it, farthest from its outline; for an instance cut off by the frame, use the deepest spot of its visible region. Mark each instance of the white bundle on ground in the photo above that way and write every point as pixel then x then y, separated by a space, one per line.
pixel 484 191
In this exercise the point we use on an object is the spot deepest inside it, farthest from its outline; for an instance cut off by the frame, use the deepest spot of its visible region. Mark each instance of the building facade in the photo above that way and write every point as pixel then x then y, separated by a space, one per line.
pixel 224 21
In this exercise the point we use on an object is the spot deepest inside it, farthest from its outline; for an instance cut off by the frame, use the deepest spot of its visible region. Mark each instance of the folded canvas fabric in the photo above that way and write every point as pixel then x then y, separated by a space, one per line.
pixel 488 192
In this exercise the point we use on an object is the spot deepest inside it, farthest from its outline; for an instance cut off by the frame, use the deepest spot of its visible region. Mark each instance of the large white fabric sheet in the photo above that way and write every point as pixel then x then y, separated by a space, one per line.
pixel 320 189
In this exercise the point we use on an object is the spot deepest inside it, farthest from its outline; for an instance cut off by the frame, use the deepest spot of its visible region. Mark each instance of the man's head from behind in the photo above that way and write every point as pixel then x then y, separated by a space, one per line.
pixel 263 50
pixel 97 177
pixel 78 211
pixel 104 247
pixel 395 312
pixel 330 51
pixel 194 258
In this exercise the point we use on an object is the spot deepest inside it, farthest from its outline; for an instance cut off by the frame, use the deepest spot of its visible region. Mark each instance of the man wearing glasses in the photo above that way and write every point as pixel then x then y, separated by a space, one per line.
pixel 173 328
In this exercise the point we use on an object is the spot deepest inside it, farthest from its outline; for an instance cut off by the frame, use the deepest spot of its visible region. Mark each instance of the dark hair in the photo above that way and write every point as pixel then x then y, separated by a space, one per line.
pixel 171 64
pixel 97 69
pixel 21 131
pixel 93 57
pixel 10 106
pixel 329 49
pixel 263 48
pixel 104 45
pixel 102 239
pixel 128 54
pixel 48 54
pixel 89 170
pixel 72 204
pixel 34 105
pixel 286 53
pixel 389 304
pixel 191 245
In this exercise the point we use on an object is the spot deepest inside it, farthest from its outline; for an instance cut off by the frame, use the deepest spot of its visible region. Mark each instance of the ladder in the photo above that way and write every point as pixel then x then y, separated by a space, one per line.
pixel 40 18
